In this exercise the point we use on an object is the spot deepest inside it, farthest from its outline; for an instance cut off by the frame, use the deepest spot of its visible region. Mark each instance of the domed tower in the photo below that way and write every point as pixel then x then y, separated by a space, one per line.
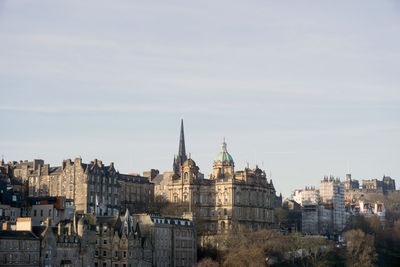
pixel 223 163
pixel 190 171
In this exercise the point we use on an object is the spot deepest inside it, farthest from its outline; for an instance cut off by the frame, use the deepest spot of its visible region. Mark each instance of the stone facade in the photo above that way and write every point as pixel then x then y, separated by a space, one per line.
pixel 19 248
pixel 371 187
pixel 93 187
pixel 323 210
pixel 56 208
pixel 228 198
pixel 308 195
pixel 69 243
pixel 332 197
pixel 136 192
pixel 174 239
pixel 119 243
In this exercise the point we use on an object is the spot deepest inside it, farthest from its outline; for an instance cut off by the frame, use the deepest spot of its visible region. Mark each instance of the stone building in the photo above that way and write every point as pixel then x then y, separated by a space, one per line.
pixel 387 184
pixel 308 195
pixel 161 182
pixel 370 187
pixel 367 209
pixel 19 248
pixel 332 197
pixel 119 242
pixel 227 198
pixel 323 210
pixel 136 192
pixel 69 243
pixel 56 208
pixel 350 183
pixel 174 240
pixel 92 186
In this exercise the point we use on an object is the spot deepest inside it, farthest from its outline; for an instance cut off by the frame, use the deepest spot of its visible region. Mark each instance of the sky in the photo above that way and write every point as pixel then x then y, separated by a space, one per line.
pixel 302 89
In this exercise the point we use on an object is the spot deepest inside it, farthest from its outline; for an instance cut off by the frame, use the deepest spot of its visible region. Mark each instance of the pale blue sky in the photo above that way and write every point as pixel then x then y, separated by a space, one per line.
pixel 297 87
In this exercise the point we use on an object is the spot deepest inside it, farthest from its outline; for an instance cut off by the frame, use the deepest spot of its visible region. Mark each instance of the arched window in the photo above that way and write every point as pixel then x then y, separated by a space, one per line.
pixel 186 175
pixel 222 226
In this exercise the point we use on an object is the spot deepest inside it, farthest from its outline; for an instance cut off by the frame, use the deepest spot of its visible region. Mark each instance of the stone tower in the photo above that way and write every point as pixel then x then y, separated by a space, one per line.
pixel 223 163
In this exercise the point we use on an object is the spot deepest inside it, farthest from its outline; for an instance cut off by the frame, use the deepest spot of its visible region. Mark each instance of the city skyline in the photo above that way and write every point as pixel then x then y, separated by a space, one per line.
pixel 300 90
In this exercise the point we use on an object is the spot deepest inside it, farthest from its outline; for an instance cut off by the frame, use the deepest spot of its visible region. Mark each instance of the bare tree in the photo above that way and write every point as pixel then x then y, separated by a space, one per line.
pixel 360 249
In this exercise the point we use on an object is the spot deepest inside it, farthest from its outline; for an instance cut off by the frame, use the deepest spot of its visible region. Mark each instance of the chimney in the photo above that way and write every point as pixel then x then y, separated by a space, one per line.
pixel 24 224
pixel 6 226
pixel 78 161
pixel 70 229
pixel 46 169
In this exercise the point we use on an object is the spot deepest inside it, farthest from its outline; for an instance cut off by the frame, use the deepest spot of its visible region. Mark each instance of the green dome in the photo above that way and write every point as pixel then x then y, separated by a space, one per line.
pixel 224 156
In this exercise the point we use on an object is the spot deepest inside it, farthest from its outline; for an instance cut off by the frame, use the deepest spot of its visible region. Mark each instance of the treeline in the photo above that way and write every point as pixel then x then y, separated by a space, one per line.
pixel 367 244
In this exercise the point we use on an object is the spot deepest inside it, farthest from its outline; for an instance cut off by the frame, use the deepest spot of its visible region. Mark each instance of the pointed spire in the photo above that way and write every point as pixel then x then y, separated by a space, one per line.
pixel 223 147
pixel 182 150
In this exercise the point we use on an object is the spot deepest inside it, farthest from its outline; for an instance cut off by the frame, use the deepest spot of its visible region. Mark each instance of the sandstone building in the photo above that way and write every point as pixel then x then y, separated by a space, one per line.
pixel 353 191
pixel 174 239
pixel 227 198
pixel 93 187
pixel 119 242
pixel 19 248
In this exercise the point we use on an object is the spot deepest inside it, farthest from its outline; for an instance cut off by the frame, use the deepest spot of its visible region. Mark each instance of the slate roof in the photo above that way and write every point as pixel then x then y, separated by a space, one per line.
pixel 19 235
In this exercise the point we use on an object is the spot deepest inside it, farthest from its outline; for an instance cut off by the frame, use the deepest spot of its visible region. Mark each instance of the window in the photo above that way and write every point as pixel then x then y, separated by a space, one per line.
pixel 115 254
pixel 34 213
pixel 225 212
pixel 105 241
pixel 223 225
pixel 97 252
pixel 124 254
pixel 104 253
pixel 49 212
pixel 41 213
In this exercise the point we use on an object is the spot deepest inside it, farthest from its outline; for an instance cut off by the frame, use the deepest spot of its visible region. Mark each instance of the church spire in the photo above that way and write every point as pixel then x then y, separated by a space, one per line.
pixel 181 158
pixel 182 151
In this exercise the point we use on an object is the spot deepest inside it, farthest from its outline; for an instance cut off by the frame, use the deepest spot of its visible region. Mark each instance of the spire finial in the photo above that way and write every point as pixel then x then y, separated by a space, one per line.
pixel 223 147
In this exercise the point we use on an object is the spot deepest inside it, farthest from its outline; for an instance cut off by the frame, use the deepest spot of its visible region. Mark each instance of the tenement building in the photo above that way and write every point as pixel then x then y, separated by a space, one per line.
pixel 228 198
pixel 93 187
pixel 174 239
pixel 323 209
pixel 119 242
